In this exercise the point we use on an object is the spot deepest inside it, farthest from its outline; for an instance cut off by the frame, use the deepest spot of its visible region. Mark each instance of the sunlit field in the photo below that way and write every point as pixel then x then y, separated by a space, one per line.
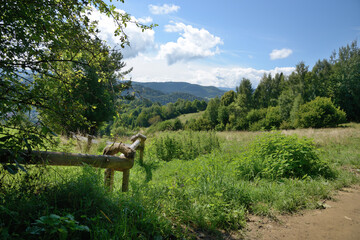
pixel 188 182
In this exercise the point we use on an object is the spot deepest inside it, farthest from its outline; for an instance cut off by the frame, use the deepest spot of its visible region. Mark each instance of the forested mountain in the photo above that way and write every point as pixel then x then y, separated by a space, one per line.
pixel 163 98
pixel 183 87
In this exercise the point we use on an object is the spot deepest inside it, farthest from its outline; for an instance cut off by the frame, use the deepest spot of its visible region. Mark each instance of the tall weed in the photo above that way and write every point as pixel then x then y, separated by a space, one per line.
pixel 184 145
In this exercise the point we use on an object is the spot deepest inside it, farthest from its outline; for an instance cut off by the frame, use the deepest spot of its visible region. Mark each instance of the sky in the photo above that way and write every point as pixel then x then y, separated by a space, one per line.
pixel 218 43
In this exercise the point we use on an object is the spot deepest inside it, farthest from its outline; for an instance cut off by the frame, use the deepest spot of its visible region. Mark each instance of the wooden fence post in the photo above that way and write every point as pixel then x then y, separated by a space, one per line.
pixel 109 172
pixel 141 152
pixel 125 181
pixel 109 178
pixel 129 152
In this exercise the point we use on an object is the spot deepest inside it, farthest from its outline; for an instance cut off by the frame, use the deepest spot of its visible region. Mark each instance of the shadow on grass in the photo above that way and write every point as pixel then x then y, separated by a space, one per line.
pixel 149 167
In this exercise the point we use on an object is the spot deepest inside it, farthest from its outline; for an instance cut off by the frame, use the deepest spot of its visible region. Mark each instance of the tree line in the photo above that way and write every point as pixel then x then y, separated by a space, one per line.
pixel 325 96
pixel 144 113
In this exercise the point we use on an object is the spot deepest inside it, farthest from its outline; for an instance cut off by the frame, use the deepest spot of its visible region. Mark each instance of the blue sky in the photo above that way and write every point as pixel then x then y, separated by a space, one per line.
pixel 218 43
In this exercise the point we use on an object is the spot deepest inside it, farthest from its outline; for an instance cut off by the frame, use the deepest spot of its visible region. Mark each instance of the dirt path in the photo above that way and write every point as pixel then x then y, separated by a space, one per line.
pixel 340 220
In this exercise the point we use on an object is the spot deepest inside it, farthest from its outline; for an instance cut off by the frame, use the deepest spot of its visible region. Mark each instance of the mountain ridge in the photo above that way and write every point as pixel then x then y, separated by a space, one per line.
pixel 161 97
pixel 196 90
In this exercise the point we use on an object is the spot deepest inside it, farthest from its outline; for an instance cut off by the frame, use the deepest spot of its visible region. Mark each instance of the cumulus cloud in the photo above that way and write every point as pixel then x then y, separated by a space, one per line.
pixel 139 41
pixel 164 9
pixel 146 20
pixel 147 69
pixel 194 43
pixel 280 53
pixel 232 76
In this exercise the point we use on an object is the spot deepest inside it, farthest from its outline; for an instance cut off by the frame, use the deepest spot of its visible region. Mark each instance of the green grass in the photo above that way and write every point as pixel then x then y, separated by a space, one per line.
pixel 187 117
pixel 175 199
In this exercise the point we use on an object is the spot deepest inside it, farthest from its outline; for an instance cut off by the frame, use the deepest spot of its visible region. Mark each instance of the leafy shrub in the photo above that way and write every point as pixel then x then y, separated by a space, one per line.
pixel 256 115
pixel 286 125
pixel 168 125
pixel 273 118
pixel 258 125
pixel 184 145
pixel 320 112
pixel 201 124
pixel 55 226
pixel 275 155
pixel 256 119
pixel 265 118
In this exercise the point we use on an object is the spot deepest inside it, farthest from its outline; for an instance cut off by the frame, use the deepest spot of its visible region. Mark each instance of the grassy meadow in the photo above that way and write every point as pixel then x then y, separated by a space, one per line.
pixel 189 182
pixel 187 117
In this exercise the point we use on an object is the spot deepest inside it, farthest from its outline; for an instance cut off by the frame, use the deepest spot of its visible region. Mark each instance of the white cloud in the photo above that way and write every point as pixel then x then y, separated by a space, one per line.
pixel 147 69
pixel 146 20
pixel 280 53
pixel 194 43
pixel 139 41
pixel 164 9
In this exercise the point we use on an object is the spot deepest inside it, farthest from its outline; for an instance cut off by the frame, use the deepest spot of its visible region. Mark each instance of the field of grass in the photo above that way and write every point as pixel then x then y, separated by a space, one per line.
pixel 187 117
pixel 179 197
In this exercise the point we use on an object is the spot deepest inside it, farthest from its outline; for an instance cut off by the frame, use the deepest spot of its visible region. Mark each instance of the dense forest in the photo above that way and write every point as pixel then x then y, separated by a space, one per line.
pixel 160 97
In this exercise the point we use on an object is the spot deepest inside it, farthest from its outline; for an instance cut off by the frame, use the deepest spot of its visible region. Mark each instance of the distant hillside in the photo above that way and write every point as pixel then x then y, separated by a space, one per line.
pixel 161 97
pixel 183 87
pixel 226 89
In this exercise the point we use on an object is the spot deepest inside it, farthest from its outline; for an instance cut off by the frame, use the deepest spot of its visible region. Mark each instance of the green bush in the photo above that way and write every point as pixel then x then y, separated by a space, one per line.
pixel 273 118
pixel 320 112
pixel 275 155
pixel 256 119
pixel 168 125
pixel 264 119
pixel 201 124
pixel 256 115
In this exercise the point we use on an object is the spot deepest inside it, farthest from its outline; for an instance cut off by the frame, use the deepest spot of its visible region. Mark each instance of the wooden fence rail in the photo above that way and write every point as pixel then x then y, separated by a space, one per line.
pixel 112 163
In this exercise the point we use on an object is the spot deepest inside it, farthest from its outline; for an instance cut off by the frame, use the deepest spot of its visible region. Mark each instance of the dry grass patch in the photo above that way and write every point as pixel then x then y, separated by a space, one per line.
pixel 326 136
pixel 187 117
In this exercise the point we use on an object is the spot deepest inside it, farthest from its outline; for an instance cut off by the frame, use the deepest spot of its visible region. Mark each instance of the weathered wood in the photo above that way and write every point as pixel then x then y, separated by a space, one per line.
pixel 139 135
pixel 89 142
pixel 109 178
pixel 135 144
pixel 125 182
pixel 139 145
pixel 119 147
pixel 128 152
pixel 118 163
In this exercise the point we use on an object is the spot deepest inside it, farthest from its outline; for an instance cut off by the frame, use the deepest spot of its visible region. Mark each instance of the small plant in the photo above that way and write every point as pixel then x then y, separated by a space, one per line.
pixel 275 155
pixel 55 226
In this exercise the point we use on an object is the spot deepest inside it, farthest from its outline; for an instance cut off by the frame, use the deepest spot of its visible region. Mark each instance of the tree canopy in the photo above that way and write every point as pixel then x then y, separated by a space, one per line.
pixel 53 62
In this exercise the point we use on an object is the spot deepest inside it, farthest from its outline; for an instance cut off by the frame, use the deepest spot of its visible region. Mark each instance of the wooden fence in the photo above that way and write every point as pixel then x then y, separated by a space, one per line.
pixel 112 163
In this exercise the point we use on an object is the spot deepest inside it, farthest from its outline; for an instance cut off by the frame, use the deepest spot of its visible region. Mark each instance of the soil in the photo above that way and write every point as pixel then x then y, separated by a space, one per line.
pixel 339 220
